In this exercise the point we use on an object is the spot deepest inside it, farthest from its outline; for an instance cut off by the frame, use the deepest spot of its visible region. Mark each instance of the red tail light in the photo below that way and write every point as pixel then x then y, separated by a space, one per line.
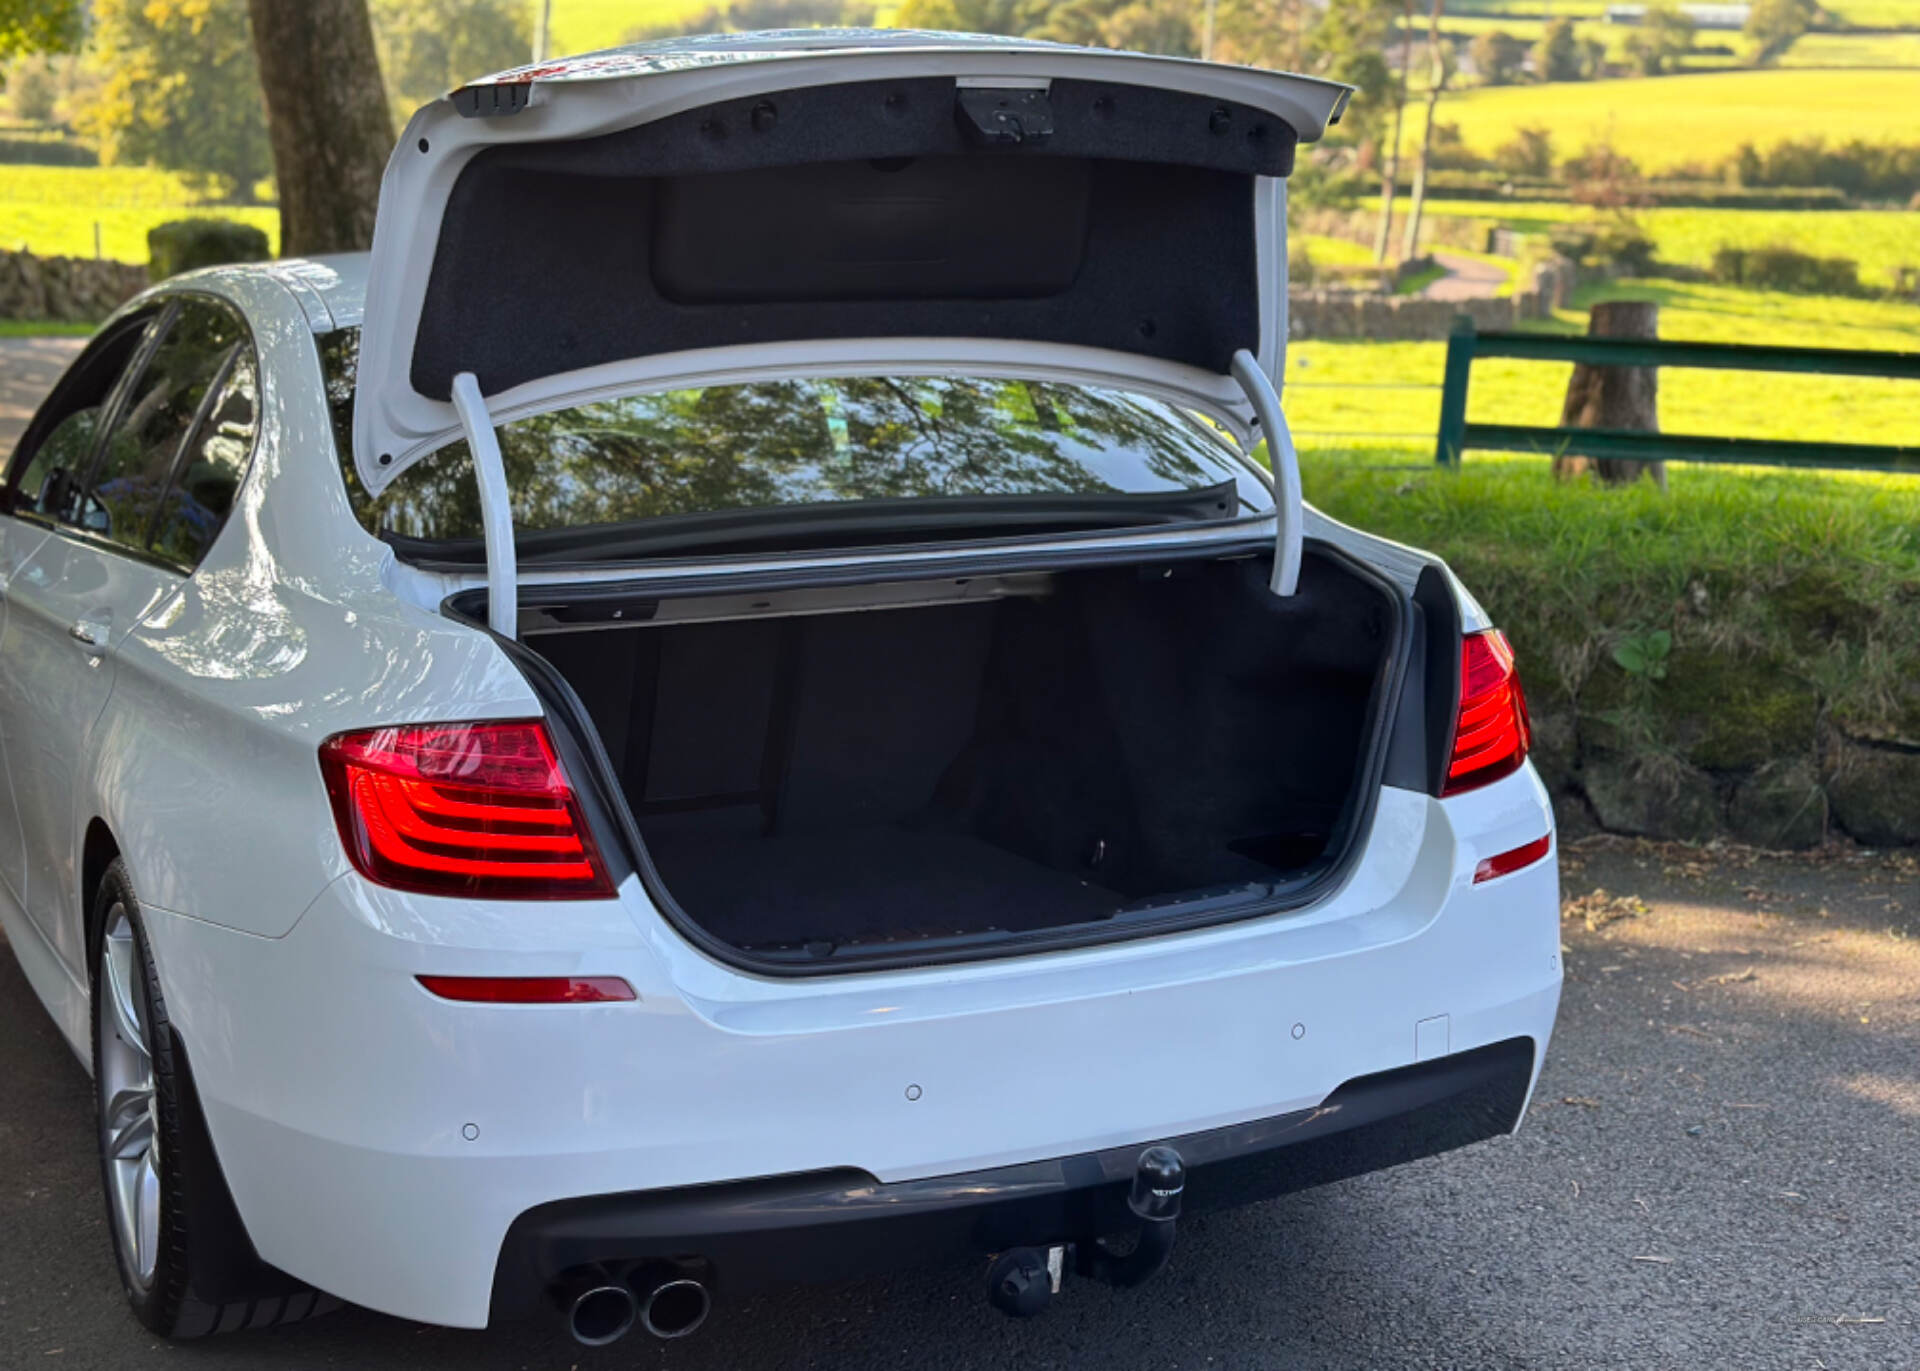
pixel 1492 733
pixel 481 810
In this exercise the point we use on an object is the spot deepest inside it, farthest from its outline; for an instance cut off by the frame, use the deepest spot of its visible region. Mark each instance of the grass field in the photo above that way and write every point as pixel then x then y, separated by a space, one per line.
pixel 52 210
pixel 1879 240
pixel 1814 50
pixel 1854 50
pixel 583 25
pixel 1398 398
pixel 1678 120
pixel 1332 252
pixel 1879 14
pixel 1883 14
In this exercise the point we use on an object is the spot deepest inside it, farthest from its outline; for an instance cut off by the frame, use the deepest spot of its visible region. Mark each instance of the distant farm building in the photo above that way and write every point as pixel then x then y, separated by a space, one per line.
pixel 1703 16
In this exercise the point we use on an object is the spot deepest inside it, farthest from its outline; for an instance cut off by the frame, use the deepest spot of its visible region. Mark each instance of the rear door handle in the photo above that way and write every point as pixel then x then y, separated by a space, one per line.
pixel 88 632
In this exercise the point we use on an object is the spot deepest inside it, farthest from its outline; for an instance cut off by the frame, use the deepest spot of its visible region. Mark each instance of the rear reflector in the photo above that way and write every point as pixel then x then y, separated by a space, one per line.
pixel 529 989
pixel 1492 733
pixel 1512 859
pixel 480 810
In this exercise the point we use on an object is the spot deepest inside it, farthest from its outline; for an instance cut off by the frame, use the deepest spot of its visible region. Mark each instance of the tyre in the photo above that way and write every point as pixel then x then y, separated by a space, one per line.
pixel 183 1255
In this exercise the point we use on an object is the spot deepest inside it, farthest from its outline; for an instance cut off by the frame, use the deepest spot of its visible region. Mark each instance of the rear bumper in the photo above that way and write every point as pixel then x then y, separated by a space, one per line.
pixel 381 1144
pixel 840 1224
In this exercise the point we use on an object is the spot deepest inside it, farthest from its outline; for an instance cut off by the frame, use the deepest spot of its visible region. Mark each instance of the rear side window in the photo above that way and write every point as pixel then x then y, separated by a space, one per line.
pixel 44 474
pixel 207 478
pixel 134 481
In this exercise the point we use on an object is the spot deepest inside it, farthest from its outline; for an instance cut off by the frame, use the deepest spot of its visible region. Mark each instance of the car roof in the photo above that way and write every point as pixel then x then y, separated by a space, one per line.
pixel 332 289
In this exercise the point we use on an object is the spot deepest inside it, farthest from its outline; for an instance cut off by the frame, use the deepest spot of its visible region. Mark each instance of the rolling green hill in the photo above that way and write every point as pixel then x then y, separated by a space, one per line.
pixel 1673 121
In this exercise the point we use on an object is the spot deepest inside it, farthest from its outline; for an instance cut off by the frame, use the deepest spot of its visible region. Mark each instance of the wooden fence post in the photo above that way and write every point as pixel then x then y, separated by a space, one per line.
pixel 1453 392
pixel 1615 397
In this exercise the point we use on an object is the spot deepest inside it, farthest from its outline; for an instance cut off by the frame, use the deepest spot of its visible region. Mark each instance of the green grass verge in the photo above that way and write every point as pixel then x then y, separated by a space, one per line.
pixel 1677 120
pixel 1814 575
pixel 44 328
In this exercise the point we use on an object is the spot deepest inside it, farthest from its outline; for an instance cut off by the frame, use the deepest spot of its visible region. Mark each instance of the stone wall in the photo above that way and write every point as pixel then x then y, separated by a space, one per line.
pixel 77 289
pixel 1397 318
pixel 1729 745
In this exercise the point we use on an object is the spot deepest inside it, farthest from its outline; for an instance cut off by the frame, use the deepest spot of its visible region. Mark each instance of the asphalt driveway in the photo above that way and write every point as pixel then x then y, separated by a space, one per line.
pixel 1721 1169
pixel 28 369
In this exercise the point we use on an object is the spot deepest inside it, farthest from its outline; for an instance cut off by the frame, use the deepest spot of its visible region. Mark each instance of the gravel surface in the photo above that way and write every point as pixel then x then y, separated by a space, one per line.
pixel 1721 1169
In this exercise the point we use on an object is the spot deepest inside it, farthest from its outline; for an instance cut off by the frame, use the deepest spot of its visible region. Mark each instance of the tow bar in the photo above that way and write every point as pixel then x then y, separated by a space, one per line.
pixel 1022 1281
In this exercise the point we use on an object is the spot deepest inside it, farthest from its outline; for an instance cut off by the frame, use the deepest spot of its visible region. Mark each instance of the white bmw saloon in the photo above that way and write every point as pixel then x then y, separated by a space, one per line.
pixel 749 697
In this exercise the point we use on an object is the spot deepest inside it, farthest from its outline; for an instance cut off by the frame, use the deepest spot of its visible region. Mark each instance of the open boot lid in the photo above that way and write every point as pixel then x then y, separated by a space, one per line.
pixel 828 202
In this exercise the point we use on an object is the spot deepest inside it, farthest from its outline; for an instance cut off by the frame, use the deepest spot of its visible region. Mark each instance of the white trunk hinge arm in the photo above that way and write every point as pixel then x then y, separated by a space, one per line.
pixel 496 509
pixel 1286 470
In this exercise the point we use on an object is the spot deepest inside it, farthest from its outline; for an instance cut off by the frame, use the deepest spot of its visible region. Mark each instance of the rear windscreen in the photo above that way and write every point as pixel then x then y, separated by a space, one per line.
pixel 815 441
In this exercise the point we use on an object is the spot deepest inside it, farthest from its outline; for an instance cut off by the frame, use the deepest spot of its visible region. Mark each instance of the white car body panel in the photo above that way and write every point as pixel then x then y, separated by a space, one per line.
pixel 291 976
pixel 315 1053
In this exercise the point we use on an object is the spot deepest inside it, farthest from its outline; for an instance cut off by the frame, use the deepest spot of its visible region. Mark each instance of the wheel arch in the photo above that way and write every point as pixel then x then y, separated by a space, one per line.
pixel 98 849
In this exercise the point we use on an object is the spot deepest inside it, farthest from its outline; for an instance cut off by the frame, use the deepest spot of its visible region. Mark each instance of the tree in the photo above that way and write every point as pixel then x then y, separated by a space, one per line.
pixel 1528 153
pixel 1556 57
pixel 744 15
pixel 38 26
pixel 1014 17
pixel 1773 26
pixel 1662 41
pixel 1593 59
pixel 1262 33
pixel 1077 21
pixel 1347 43
pixel 1499 57
pixel 429 47
pixel 327 111
pixel 179 90
pixel 33 90
pixel 1151 26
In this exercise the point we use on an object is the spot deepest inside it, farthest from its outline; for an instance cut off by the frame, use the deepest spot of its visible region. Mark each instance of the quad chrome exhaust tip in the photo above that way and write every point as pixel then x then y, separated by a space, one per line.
pixel 597 1309
pixel 600 1307
pixel 675 1307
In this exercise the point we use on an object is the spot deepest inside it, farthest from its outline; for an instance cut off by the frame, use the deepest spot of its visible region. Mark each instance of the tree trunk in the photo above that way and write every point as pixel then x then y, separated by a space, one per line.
pixel 1615 397
pixel 1437 82
pixel 1390 177
pixel 1410 245
pixel 328 119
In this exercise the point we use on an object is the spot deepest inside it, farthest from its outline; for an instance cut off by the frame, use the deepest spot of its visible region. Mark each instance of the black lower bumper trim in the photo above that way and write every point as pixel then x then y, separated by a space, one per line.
pixel 830 1225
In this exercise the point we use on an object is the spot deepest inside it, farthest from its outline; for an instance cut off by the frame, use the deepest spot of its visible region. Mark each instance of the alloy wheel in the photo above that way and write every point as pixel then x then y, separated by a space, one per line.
pixel 129 1106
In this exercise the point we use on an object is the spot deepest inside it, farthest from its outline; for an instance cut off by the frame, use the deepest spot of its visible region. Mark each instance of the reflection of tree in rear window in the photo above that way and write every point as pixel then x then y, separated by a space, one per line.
pixel 774 443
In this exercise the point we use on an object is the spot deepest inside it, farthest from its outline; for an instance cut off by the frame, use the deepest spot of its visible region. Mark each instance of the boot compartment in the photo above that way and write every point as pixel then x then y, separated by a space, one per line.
pixel 817 779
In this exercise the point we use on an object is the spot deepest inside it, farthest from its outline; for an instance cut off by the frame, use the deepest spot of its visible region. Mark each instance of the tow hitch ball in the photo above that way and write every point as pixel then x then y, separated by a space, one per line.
pixel 1022 1281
